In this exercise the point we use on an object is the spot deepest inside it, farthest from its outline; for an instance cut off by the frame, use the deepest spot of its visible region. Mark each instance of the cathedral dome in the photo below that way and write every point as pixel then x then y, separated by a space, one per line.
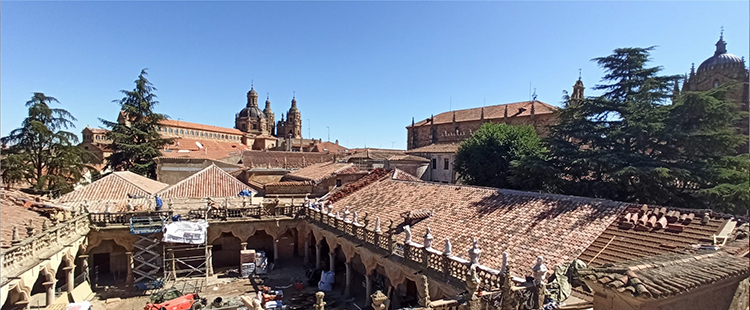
pixel 253 112
pixel 721 59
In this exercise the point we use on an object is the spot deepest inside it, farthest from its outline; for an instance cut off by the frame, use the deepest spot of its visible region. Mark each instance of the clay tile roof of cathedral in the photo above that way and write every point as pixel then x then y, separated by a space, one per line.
pixel 667 275
pixel 436 148
pixel 320 171
pixel 212 181
pixel 285 160
pixel 634 236
pixel 115 186
pixel 524 224
pixel 516 109
pixel 189 125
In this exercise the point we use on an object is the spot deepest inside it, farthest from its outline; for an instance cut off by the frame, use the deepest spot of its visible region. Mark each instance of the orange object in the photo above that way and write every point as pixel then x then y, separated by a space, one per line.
pixel 184 302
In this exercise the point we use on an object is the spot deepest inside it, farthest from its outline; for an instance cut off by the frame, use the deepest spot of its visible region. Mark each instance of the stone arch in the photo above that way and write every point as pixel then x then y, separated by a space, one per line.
pixel 226 250
pixel 18 293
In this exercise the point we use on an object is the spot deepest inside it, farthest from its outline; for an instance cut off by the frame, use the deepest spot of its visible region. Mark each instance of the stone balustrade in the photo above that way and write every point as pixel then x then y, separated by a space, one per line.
pixel 435 262
pixel 28 252
pixel 215 214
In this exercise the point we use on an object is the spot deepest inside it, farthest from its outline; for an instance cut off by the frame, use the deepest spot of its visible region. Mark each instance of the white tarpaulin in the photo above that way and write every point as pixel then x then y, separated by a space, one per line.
pixel 186 232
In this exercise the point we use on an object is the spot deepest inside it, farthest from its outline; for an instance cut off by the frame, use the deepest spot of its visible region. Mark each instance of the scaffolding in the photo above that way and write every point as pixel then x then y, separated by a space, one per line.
pixel 147 258
pixel 185 260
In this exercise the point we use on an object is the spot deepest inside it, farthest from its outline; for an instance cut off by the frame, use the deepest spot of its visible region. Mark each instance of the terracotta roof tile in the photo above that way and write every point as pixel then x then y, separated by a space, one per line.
pixel 524 224
pixel 211 149
pixel 329 147
pixel 631 239
pixel 15 212
pixel 668 275
pixel 491 112
pixel 436 148
pixel 212 181
pixel 114 186
pixel 320 171
pixel 286 160
pixel 408 158
pixel 189 125
pixel 399 174
pixel 375 154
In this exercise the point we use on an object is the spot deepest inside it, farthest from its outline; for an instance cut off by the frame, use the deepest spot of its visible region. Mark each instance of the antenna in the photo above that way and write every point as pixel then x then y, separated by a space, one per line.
pixel 579 74
pixel 450 103
pixel 529 90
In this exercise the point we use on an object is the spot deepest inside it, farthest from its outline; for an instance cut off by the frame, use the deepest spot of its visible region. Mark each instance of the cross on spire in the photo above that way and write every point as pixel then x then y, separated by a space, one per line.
pixel 722 33
pixel 579 74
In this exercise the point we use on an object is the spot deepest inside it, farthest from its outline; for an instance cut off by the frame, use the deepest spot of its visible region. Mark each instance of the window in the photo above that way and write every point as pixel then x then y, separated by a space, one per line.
pixel 182 131
pixel 338 182
pixel 255 126
pixel 716 83
pixel 170 130
pixel 446 164
pixel 434 163
pixel 192 133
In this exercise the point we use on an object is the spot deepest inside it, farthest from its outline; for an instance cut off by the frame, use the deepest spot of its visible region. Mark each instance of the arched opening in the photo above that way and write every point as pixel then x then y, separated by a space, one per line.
pixel 108 263
pixel 38 298
pixel 261 242
pixel 16 299
pixel 287 245
pixel 226 252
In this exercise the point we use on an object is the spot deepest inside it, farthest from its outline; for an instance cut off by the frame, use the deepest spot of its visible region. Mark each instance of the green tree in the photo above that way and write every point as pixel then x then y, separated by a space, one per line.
pixel 631 144
pixel 42 153
pixel 135 136
pixel 491 155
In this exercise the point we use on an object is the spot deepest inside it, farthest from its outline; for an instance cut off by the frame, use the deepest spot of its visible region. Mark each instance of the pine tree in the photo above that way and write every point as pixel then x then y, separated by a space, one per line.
pixel 135 136
pixel 42 153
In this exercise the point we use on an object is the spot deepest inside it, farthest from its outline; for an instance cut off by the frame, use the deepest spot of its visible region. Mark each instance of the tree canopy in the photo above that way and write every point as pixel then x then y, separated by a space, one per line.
pixel 135 136
pixel 42 152
pixel 490 156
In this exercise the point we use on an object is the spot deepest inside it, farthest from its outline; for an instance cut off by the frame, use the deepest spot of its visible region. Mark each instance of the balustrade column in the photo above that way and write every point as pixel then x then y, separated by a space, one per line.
pixel 368 286
pixel 318 253
pixel 347 288
pixel 50 292
pixel 85 266
pixel 129 277
pixel 71 279
pixel 276 250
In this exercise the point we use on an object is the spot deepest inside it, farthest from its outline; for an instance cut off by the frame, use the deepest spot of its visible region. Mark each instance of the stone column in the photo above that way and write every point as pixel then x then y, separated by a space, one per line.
pixel 129 278
pixel 307 251
pixel 318 254
pixel 368 286
pixel 209 260
pixel 50 292
pixel 71 279
pixel 332 263
pixel 275 251
pixel 347 288
pixel 85 266
pixel 243 246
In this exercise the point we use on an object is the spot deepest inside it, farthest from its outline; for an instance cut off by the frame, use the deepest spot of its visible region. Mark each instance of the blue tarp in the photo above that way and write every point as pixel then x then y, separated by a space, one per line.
pixel 245 192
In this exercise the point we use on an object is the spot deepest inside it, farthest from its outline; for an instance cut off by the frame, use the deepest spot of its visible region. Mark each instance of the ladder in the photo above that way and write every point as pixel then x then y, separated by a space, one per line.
pixel 147 258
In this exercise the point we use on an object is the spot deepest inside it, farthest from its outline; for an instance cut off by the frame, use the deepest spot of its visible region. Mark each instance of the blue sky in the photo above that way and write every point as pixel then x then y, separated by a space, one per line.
pixel 364 69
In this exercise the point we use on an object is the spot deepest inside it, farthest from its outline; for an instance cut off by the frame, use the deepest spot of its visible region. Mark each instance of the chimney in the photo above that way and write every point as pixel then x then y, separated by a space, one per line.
pixel 337 141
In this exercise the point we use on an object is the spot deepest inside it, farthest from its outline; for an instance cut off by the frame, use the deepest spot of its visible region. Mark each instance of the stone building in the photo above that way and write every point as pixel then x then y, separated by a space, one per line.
pixel 457 126
pixel 720 69
pixel 292 126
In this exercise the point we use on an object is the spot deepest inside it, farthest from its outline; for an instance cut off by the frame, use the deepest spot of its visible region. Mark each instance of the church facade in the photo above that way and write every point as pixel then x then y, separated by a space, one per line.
pixel 261 123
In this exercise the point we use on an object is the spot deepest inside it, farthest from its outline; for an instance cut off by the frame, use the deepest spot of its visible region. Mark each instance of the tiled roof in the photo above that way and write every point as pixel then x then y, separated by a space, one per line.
pixel 408 158
pixel 491 112
pixel 374 176
pixel 524 224
pixel 97 130
pixel 212 149
pixel 667 275
pixel 328 147
pixel 114 186
pixel 376 154
pixel 320 171
pixel 183 124
pixel 436 148
pixel 629 238
pixel 290 183
pixel 399 174
pixel 287 160
pixel 212 181
pixel 15 211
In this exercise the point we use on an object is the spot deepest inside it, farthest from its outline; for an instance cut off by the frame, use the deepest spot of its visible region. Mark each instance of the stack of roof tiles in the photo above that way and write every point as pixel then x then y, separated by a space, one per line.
pixel 524 224
pixel 668 275
pixel 647 231
pixel 284 160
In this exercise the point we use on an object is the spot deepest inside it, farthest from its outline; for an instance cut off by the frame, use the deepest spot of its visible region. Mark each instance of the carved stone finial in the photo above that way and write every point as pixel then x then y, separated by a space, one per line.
pixel 472 281
pixel 330 209
pixel 474 252
pixel 346 214
pixel 319 303
pixel 448 247
pixel 170 204
pixel 505 263
pixel 29 230
pixel 510 300
pixel 337 215
pixel 390 226
pixel 407 234
pixel 14 236
pixel 424 292
pixel 428 238
pixel 377 225
pixel 107 208
pixel 378 300
pixel 540 271
pixel 44 225
pixel 354 218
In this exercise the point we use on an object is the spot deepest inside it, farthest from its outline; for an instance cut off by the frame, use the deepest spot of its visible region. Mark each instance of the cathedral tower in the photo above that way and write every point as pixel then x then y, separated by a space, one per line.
pixel 270 119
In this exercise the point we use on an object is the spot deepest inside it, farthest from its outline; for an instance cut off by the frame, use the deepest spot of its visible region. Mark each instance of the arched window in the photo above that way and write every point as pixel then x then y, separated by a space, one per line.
pixel 716 83
pixel 170 130
pixel 182 131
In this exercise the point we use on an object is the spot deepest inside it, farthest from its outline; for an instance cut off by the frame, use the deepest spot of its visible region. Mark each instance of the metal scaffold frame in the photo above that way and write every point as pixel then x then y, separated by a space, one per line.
pixel 147 258
pixel 179 265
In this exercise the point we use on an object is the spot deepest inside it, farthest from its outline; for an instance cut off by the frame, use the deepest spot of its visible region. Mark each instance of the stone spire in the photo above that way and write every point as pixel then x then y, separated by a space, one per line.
pixel 676 90
pixel 252 97
pixel 578 88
